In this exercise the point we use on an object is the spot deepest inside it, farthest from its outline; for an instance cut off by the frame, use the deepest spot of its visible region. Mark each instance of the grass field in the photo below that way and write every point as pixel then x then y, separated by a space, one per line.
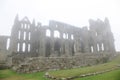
pixel 11 75
pixel 84 70
pixel 113 75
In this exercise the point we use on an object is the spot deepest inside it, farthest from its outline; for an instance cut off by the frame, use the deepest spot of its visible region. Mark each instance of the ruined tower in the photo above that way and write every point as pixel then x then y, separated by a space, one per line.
pixel 101 38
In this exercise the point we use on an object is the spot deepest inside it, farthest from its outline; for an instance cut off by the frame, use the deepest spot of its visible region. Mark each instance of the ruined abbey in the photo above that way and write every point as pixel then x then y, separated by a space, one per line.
pixel 33 47
pixel 57 38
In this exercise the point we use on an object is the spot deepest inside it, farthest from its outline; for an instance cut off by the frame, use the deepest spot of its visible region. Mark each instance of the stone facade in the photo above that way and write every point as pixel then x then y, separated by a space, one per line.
pixel 36 64
pixel 59 39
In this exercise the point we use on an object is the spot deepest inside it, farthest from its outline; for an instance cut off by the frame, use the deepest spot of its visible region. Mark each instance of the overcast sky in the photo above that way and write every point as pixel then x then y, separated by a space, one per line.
pixel 74 12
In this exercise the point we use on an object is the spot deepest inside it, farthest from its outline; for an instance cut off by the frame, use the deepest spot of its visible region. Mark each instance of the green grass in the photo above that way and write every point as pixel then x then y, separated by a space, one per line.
pixel 113 75
pixel 11 75
pixel 84 70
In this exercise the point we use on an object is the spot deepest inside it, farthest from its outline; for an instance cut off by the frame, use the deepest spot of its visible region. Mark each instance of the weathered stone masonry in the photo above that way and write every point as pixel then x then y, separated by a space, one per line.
pixel 35 64
pixel 60 39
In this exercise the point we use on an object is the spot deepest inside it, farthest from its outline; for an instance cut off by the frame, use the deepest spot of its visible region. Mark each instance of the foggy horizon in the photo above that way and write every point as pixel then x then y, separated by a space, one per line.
pixel 73 12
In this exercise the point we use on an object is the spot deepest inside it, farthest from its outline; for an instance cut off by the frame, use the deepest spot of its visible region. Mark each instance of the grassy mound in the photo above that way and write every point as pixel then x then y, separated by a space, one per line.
pixel 11 75
pixel 113 75
pixel 85 70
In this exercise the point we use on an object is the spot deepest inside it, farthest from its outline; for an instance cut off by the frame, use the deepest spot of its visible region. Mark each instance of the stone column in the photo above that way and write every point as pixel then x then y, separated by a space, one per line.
pixel 52 41
pixel 61 43
pixel 95 48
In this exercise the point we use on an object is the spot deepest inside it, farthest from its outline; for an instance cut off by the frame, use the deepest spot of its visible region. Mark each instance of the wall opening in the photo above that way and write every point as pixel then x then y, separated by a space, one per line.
pixel 18 47
pixel 23 47
pixel 102 47
pixel 98 47
pixel 48 33
pixel 72 37
pixel 56 34
pixel 67 36
pixel 92 49
pixel 28 47
pixel 28 26
pixel 64 36
pixel 8 44
pixel 24 37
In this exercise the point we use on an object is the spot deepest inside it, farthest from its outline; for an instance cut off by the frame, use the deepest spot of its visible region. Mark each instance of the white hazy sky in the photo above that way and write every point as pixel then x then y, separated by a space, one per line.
pixel 74 12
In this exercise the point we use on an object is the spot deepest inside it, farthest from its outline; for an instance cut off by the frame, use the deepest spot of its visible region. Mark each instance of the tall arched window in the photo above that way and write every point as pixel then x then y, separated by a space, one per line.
pixel 72 37
pixel 56 34
pixel 28 47
pixel 8 44
pixel 92 49
pixel 64 36
pixel 24 37
pixel 48 33
pixel 102 47
pixel 28 26
pixel 23 47
pixel 18 47
pixel 98 47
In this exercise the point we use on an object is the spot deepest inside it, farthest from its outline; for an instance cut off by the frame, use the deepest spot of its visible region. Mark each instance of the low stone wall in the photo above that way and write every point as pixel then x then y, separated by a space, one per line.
pixel 3 60
pixel 47 75
pixel 35 64
pixel 3 56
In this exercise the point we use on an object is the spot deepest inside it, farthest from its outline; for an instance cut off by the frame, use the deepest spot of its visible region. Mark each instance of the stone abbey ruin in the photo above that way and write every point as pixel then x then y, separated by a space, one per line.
pixel 58 38
pixel 52 44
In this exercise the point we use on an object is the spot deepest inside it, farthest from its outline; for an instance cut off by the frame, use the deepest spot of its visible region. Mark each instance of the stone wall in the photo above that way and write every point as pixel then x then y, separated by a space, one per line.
pixel 3 59
pixel 4 47
pixel 35 64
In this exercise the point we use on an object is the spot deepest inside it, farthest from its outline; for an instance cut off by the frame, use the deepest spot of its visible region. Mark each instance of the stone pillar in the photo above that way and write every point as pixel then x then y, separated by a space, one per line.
pixel 61 43
pixel 52 41
pixel 26 47
pixel 95 48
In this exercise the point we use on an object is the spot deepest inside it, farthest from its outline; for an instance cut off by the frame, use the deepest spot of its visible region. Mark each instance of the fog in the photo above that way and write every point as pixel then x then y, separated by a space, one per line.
pixel 74 12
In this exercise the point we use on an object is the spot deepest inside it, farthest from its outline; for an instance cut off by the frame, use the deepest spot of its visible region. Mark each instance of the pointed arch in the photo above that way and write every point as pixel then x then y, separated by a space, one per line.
pixel 48 33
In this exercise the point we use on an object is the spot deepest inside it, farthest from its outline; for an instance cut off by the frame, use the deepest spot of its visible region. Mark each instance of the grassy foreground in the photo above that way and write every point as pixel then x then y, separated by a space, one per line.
pixel 85 70
pixel 113 75
pixel 11 75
